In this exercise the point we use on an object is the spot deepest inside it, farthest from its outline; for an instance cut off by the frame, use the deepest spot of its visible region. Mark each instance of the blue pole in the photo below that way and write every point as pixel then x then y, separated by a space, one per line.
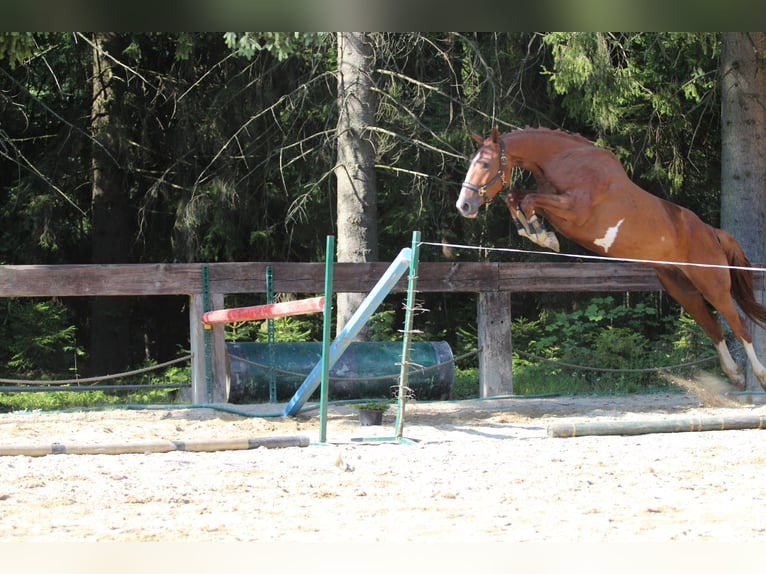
pixel 351 329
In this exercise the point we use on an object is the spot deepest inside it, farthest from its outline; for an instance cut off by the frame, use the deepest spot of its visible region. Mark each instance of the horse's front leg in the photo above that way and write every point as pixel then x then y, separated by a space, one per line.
pixel 530 227
pixel 559 206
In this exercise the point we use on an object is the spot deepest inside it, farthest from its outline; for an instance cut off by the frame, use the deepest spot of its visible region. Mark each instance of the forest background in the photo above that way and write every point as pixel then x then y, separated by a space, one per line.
pixel 208 147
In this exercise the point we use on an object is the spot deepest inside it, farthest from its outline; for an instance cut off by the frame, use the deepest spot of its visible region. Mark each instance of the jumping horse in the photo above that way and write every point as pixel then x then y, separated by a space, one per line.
pixel 585 194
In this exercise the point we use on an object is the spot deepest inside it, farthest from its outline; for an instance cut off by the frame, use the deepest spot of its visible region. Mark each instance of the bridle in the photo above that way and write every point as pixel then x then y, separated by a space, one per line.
pixel 482 191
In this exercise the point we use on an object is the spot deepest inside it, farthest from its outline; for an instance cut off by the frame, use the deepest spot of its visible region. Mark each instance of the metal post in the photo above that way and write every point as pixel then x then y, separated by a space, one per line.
pixel 207 336
pixel 408 320
pixel 326 330
pixel 270 334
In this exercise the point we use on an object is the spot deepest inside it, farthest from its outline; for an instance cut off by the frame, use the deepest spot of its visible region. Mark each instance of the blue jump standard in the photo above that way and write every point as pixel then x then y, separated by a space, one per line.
pixel 351 329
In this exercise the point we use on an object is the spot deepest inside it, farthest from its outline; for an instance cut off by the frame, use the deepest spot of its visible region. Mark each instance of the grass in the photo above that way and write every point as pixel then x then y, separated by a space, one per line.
pixel 62 400
pixel 466 384
pixel 55 401
pixel 528 379
pixel 542 380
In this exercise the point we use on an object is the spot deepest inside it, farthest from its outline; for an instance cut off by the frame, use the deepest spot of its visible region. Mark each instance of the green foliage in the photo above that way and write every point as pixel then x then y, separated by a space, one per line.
pixel 645 95
pixel 58 400
pixel 594 81
pixel 286 330
pixel 466 384
pixel 689 338
pixel 372 405
pixel 591 348
pixel 214 224
pixel 280 44
pixel 613 81
pixel 16 47
pixel 38 339
pixel 385 325
pixel 53 401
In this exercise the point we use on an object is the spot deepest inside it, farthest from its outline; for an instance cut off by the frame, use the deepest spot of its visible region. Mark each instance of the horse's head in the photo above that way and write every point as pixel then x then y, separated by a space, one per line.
pixel 485 177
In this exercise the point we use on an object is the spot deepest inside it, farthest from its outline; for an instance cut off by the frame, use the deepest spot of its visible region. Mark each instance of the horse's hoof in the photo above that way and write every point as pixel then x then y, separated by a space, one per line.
pixel 552 242
pixel 738 381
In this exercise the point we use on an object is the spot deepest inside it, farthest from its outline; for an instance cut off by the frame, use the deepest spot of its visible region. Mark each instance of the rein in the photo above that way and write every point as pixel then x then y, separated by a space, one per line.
pixel 482 191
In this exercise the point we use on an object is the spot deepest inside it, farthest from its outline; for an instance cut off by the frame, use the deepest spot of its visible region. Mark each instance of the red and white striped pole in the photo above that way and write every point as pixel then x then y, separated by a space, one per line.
pixel 259 312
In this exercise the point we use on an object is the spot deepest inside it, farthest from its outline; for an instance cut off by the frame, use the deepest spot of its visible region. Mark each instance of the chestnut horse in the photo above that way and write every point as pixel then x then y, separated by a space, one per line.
pixel 585 194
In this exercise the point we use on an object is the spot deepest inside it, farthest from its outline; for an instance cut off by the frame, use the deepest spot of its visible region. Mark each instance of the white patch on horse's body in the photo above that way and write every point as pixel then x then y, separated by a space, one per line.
pixel 608 239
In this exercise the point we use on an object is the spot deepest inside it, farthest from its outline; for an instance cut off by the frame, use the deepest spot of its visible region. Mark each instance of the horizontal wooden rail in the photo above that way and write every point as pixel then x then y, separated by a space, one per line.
pixel 494 283
pixel 230 278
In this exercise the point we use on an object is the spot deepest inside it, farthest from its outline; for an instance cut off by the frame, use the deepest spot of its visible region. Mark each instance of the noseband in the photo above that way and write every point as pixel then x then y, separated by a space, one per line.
pixel 482 191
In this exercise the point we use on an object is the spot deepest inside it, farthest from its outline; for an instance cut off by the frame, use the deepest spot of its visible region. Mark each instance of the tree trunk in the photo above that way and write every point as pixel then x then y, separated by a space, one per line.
pixel 355 173
pixel 743 153
pixel 109 332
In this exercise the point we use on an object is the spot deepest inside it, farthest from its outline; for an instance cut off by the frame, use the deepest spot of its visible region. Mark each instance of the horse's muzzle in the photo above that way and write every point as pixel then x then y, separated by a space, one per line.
pixel 468 207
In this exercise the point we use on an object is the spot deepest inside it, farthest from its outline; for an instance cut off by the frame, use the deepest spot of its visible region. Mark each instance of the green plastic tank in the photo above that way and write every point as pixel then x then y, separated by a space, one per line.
pixel 365 370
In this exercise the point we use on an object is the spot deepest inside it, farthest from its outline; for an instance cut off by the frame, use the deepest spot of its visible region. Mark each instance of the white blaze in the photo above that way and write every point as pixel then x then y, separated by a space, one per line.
pixel 608 239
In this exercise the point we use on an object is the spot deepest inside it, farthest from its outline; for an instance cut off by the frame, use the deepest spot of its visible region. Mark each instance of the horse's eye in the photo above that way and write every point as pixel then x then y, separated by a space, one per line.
pixel 484 164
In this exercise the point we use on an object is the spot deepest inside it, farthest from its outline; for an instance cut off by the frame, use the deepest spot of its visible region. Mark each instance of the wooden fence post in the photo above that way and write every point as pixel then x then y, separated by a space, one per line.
pixel 495 350
pixel 759 343
pixel 218 349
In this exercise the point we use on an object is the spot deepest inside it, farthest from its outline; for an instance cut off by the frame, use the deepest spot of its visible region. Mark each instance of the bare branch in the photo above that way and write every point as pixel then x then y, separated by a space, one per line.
pixel 445 95
pixel 58 116
pixel 29 166
pixel 116 61
pixel 268 110
pixel 416 142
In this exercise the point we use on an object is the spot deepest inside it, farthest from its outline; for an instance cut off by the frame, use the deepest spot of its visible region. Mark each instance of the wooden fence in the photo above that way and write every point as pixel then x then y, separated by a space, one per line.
pixel 494 283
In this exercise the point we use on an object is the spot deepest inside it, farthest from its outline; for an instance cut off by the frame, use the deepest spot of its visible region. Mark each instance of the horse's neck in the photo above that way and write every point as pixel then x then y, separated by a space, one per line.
pixel 534 141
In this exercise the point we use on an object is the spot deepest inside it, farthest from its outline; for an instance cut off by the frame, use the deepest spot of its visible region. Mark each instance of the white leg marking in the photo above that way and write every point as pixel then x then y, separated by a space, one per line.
pixel 758 368
pixel 608 239
pixel 729 366
pixel 727 362
pixel 547 239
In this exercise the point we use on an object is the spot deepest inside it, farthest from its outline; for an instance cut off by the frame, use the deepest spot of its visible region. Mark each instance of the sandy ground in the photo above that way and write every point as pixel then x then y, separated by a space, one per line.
pixel 474 471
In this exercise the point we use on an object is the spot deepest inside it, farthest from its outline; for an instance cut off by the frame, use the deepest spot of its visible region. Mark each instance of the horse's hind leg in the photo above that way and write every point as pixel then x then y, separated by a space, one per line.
pixel 722 300
pixel 690 298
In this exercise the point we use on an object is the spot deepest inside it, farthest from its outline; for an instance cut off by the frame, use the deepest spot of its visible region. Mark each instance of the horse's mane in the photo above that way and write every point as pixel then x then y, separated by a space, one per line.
pixel 556 133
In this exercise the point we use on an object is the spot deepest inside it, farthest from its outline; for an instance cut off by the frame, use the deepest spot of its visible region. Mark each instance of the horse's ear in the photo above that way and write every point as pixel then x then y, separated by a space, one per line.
pixel 477 138
pixel 495 135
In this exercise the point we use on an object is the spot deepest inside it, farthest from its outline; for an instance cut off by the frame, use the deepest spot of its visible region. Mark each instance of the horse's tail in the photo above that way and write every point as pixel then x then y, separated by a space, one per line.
pixel 741 279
